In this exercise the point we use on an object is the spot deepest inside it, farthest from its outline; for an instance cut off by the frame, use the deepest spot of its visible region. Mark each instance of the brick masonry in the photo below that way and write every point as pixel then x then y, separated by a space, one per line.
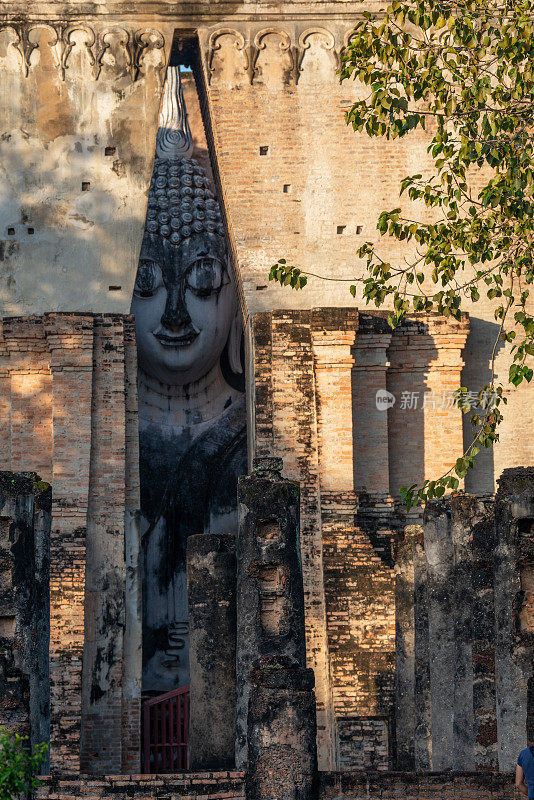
pixel 365 785
pixel 69 402
pixel 190 786
pixel 316 374
pixel 416 786
pixel 464 632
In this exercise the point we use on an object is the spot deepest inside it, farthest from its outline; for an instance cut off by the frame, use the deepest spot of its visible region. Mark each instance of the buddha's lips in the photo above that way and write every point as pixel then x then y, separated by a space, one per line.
pixel 167 340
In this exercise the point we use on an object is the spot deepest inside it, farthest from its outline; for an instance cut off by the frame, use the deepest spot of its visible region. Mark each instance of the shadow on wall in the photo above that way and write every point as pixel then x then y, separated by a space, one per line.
pixel 52 242
pixel 475 374
pixel 76 153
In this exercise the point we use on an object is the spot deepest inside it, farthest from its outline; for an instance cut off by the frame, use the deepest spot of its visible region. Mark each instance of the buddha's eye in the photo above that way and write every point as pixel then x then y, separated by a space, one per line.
pixel 148 279
pixel 205 276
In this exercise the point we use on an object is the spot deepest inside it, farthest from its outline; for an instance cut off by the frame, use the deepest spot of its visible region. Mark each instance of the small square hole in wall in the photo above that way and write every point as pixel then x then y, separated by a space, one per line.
pixel 341 229
pixel 264 149
pixel 114 288
pixel 359 228
pixel 31 231
pixel 7 627
pixel 11 231
pixel 110 151
pixel 287 188
pixel 86 186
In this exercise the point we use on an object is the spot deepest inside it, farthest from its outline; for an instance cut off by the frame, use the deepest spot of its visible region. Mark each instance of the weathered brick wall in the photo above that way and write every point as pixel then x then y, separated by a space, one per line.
pixel 314 404
pixel 190 786
pixel 415 786
pixel 364 744
pixel 286 154
pixel 464 631
pixel 80 430
pixel 25 505
pixel 360 607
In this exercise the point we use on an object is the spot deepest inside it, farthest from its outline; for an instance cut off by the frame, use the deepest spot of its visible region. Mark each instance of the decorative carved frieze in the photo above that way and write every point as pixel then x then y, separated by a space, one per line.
pixel 231 52
pixel 215 46
pixel 69 44
pixel 317 37
pixel 114 50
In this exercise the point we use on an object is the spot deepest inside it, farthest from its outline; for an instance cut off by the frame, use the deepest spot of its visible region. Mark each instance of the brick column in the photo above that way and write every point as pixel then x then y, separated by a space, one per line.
pixel 333 336
pixel 105 564
pixel 211 592
pixel 276 720
pixel 441 644
pixel 132 662
pixel 270 595
pixel 370 423
pixel 30 427
pixel 5 404
pixel 70 339
pixel 422 701
pixel 425 430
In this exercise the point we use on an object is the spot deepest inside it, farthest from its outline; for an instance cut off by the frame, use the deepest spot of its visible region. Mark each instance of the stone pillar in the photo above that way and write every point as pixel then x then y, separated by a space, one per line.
pixel 475 725
pixel 270 598
pixel 405 648
pixel 440 587
pixel 514 518
pixel 282 409
pixel 422 720
pixel 282 750
pixel 211 588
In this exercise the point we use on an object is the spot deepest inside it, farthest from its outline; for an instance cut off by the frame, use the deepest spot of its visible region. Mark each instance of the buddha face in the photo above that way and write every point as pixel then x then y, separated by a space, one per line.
pixel 184 299
pixel 184 303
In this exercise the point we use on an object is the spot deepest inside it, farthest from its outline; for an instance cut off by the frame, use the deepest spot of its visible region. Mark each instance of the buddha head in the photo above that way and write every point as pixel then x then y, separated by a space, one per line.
pixel 184 303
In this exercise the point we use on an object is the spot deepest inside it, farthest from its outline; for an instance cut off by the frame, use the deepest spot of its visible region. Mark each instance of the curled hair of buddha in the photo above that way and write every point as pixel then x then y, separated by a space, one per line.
pixel 180 201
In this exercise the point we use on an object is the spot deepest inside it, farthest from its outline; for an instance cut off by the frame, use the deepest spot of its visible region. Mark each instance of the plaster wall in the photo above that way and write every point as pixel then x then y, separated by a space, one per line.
pixel 79 108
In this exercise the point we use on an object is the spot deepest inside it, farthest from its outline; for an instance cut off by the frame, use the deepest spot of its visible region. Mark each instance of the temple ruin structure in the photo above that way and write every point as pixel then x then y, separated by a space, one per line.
pixel 209 587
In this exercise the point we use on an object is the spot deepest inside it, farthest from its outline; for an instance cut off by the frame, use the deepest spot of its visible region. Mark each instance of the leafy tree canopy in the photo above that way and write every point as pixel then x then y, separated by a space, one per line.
pixel 464 72
pixel 19 764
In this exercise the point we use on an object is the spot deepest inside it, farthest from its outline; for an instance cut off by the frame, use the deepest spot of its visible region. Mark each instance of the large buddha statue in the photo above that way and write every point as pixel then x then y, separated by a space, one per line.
pixel 191 402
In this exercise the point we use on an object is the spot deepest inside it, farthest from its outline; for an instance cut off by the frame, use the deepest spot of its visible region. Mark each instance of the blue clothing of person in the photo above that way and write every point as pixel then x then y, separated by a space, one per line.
pixel 526 762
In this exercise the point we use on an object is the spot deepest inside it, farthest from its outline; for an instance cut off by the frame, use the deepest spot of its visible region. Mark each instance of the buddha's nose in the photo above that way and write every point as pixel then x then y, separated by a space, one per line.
pixel 175 315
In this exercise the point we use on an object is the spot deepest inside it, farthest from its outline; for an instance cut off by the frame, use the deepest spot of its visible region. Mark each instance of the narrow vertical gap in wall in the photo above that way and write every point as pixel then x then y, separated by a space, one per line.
pixel 192 449
pixel 186 53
